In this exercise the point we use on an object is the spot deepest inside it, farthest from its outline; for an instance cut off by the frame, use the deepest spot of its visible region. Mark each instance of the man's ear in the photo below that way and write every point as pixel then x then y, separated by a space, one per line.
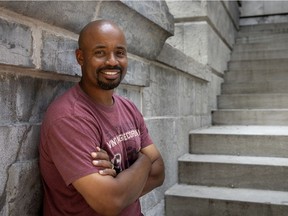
pixel 79 56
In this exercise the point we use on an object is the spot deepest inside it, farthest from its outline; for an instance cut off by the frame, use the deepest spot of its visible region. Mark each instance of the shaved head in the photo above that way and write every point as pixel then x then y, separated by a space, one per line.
pixel 94 28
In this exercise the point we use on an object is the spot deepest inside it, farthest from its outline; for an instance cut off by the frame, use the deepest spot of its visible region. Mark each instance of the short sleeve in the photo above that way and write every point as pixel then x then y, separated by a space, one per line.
pixel 70 142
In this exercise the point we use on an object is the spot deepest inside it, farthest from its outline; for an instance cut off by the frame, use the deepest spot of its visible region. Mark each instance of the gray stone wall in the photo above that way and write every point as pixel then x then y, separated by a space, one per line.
pixel 205 30
pixel 174 88
pixel 261 12
pixel 264 7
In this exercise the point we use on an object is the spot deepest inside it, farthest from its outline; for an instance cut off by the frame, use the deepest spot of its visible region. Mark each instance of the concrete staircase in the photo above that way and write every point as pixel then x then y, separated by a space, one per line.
pixel 239 166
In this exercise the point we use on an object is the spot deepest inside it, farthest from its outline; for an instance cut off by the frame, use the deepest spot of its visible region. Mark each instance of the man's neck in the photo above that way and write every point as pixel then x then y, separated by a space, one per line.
pixel 104 97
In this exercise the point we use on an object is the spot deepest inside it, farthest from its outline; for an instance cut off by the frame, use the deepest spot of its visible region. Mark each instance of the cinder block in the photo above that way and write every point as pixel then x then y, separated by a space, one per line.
pixel 24 192
pixel 131 93
pixel 9 143
pixel 137 73
pixel 22 97
pixel 70 15
pixel 58 54
pixel 16 44
pixel 162 96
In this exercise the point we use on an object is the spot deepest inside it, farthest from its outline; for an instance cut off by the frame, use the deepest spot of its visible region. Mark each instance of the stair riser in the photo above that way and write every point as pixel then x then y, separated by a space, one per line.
pixel 255 88
pixel 253 101
pixel 272 46
pixel 233 175
pixel 250 117
pixel 256 76
pixel 258 38
pixel 259 55
pixel 190 206
pixel 258 65
pixel 241 145
pixel 265 28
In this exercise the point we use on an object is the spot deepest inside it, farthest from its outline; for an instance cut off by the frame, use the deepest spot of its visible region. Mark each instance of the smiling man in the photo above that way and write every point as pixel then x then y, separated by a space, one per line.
pixel 90 118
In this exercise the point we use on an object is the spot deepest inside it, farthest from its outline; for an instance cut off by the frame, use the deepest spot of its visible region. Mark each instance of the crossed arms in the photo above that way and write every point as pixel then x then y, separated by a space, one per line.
pixel 109 195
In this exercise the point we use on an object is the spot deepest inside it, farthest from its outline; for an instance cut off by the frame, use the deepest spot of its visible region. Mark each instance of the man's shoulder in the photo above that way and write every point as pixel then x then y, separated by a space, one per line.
pixel 124 100
pixel 63 105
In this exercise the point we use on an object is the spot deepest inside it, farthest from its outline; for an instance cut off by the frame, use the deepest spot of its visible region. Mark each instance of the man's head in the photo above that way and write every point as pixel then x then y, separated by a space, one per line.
pixel 102 55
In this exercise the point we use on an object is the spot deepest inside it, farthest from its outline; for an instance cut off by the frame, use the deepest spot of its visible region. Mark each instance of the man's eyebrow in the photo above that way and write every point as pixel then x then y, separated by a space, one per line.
pixel 121 47
pixel 102 46
pixel 99 46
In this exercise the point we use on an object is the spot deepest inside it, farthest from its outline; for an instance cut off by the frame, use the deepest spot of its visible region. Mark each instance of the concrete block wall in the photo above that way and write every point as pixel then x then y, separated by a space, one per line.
pixel 262 12
pixel 264 7
pixel 206 30
pixel 37 63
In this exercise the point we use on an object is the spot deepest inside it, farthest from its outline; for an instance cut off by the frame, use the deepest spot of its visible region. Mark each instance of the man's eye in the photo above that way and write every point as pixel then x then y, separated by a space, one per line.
pixel 121 53
pixel 99 53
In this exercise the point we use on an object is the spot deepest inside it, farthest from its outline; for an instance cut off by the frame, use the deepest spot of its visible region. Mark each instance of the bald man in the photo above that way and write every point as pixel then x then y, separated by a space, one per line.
pixel 96 155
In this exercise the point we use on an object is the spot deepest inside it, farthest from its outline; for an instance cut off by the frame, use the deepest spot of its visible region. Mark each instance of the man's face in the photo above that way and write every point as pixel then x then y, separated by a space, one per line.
pixel 103 58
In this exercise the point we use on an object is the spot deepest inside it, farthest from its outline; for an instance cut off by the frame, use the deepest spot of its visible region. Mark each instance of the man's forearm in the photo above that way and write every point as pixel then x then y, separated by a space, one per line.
pixel 139 174
pixel 116 193
pixel 156 176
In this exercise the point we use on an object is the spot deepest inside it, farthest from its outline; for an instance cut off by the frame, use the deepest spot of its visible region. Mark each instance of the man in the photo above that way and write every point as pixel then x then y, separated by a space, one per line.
pixel 90 118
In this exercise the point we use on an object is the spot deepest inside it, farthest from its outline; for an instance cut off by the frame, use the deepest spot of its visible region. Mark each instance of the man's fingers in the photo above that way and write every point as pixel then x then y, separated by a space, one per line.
pixel 110 172
pixel 103 163
pixel 101 155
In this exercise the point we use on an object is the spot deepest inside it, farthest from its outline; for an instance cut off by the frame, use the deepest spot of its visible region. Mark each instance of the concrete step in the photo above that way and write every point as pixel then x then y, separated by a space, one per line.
pixel 274 64
pixel 190 200
pixel 259 55
pixel 250 117
pixel 262 38
pixel 256 76
pixel 269 173
pixel 275 87
pixel 271 46
pixel 253 101
pixel 263 141
pixel 264 28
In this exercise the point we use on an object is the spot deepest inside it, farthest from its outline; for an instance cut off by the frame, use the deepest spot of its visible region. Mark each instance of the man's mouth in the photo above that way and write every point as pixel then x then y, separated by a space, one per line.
pixel 110 72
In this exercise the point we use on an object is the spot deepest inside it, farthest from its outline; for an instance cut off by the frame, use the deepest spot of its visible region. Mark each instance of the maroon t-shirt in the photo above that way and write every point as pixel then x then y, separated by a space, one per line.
pixel 73 127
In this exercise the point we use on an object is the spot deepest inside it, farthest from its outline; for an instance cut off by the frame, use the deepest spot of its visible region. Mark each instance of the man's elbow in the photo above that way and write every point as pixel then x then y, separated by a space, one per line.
pixel 161 178
pixel 161 173
pixel 111 208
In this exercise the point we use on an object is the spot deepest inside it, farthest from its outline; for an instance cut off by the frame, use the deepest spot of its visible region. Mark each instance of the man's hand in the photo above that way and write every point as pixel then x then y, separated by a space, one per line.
pixel 100 159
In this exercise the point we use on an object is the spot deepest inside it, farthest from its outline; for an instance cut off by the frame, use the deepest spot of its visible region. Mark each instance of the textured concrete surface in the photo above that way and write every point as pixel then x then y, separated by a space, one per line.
pixel 224 201
pixel 238 166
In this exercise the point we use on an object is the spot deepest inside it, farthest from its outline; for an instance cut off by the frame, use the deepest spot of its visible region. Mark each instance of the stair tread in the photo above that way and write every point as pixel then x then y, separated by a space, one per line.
pixel 249 109
pixel 254 94
pixel 232 159
pixel 244 130
pixel 235 194
pixel 260 60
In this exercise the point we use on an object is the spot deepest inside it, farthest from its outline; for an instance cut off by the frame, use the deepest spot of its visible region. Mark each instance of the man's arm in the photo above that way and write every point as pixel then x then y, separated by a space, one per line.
pixel 156 175
pixel 157 172
pixel 108 195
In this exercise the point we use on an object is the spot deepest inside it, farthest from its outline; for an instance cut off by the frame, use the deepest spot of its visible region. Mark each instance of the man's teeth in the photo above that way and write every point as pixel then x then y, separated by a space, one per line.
pixel 110 73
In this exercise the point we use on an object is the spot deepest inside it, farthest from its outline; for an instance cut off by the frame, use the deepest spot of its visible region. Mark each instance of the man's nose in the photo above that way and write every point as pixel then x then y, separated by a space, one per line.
pixel 112 60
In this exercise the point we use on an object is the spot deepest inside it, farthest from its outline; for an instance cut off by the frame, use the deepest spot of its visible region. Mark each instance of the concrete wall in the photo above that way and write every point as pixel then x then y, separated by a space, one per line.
pixel 261 12
pixel 174 87
pixel 262 8
pixel 205 30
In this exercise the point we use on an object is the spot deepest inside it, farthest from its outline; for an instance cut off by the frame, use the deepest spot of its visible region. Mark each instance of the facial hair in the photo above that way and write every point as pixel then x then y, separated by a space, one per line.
pixel 109 85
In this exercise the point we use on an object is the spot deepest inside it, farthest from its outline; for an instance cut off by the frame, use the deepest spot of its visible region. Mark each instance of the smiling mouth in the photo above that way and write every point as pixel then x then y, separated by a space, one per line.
pixel 110 72
pixel 111 75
